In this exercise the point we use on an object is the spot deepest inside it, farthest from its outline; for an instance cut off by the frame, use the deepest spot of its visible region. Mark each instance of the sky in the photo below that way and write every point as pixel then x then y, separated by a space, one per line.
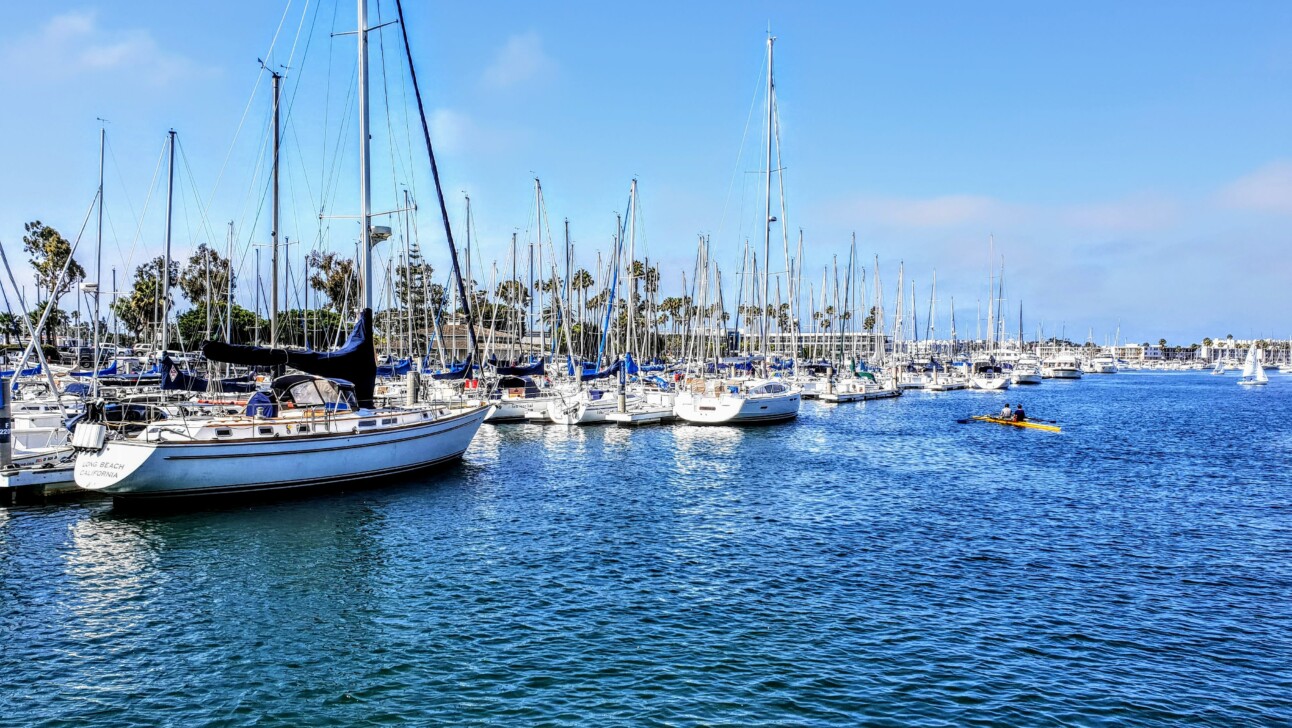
pixel 1130 163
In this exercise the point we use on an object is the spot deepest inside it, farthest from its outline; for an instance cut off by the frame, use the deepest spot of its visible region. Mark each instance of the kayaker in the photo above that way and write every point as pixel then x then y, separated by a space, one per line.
pixel 1019 414
pixel 1006 413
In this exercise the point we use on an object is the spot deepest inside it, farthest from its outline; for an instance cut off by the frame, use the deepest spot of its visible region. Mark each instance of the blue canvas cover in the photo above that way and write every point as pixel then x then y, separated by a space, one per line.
pixel 355 362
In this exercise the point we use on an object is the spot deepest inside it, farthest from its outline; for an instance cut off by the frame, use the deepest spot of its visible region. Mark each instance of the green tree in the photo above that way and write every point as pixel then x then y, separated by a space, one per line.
pixel 206 263
pixel 140 310
pixel 412 281
pixel 10 326
pixel 192 324
pixel 57 318
pixel 335 278
pixel 1206 341
pixel 49 252
pixel 1161 343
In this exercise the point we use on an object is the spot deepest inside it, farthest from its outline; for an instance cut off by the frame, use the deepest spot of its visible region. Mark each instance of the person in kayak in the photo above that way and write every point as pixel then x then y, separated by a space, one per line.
pixel 1019 414
pixel 1006 413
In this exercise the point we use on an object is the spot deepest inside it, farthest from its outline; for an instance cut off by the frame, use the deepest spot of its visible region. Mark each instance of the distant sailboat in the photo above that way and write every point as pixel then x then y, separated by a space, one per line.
pixel 1253 372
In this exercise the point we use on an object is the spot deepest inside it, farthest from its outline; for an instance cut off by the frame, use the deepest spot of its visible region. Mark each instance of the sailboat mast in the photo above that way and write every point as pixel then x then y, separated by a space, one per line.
pixel 98 266
pixel 165 267
pixel 767 227
pixel 632 270
pixel 365 163
pixel 273 234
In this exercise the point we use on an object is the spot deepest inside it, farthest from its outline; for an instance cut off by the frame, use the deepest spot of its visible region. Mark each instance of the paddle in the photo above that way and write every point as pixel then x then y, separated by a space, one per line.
pixel 1029 419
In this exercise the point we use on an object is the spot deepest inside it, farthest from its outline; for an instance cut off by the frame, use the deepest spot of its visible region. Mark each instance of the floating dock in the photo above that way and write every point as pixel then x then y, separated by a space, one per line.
pixel 837 398
pixel 640 417
pixel 26 486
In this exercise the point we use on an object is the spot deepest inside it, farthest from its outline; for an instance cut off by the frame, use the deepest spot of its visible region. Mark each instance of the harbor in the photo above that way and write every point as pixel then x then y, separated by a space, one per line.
pixel 686 574
pixel 442 366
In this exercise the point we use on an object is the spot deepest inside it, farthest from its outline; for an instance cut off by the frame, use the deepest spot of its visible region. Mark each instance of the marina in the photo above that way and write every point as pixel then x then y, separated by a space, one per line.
pixel 674 571
pixel 452 365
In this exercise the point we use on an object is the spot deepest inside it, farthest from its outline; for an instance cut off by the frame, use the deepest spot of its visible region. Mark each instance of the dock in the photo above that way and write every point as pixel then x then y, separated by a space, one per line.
pixel 837 398
pixel 640 417
pixel 35 485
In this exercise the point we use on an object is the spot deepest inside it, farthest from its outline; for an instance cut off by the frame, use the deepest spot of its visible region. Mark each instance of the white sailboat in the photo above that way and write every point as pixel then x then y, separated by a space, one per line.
pixel 307 429
pixel 754 400
pixel 1253 373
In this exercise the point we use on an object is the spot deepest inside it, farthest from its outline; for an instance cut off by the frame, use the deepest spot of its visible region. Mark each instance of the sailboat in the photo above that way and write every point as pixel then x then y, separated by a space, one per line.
pixel 752 400
pixel 1253 372
pixel 316 427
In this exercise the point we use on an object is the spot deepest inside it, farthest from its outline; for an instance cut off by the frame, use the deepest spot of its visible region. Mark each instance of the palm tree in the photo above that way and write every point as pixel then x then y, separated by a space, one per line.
pixel 9 326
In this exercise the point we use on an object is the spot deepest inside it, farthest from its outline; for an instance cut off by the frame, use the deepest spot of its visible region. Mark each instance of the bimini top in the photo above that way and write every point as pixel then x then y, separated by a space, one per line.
pixel 305 390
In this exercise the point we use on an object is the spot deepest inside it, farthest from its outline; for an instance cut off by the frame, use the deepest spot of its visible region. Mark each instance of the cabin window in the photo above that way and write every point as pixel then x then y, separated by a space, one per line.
pixel 389 421
pixel 223 432
pixel 367 423
pixel 303 428
pixel 266 430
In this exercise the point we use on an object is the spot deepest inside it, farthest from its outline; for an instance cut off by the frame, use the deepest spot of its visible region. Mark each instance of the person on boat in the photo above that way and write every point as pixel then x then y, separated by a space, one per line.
pixel 1006 413
pixel 1019 414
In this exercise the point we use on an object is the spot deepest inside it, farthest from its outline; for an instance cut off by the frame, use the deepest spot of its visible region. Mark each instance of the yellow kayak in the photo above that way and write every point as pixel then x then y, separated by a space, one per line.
pixel 1033 425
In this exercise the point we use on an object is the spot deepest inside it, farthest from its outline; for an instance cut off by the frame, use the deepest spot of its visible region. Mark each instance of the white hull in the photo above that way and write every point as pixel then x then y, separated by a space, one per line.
pixel 1251 382
pixel 728 409
pixel 516 410
pixel 1061 373
pixel 581 411
pixel 1027 378
pixel 990 384
pixel 137 469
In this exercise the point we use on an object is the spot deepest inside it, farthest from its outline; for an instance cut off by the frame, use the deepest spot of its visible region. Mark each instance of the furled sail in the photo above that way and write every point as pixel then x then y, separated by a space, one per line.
pixel 355 362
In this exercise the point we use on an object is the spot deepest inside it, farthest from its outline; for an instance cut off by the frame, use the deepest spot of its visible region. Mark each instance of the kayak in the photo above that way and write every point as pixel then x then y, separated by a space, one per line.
pixel 1032 425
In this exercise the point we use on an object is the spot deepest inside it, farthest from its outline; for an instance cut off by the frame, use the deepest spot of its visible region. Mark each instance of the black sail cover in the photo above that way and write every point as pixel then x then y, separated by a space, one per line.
pixel 356 362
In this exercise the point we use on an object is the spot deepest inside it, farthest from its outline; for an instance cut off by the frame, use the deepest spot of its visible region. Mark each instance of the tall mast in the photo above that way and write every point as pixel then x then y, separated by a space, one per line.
pixel 228 283
pixel 529 277
pixel 632 262
pixel 767 228
pixel 365 163
pixel 165 271
pixel 98 265
pixel 273 235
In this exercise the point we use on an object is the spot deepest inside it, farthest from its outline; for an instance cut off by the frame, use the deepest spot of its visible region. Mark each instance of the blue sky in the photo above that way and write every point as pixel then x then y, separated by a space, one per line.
pixel 1132 160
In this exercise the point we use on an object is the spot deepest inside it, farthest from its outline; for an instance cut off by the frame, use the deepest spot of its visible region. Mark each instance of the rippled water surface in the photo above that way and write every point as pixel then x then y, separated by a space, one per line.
pixel 870 563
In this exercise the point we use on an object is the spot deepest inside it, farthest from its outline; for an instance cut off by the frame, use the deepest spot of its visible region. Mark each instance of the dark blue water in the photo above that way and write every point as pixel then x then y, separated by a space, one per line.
pixel 873 563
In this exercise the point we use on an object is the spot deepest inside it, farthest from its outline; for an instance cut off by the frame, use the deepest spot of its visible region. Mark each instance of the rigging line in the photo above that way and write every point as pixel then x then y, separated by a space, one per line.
pixel 385 99
pixel 139 230
pixel 296 86
pixel 403 90
pixel 435 175
pixel 247 109
pixel 116 239
pixel 327 107
pixel 735 172
pixel 204 222
pixel 334 174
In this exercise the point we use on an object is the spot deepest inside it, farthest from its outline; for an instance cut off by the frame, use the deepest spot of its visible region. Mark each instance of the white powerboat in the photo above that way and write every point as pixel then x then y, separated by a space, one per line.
pixel 1061 366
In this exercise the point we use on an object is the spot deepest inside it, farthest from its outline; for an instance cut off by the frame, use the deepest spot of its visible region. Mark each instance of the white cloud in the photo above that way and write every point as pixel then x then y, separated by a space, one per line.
pixel 1136 214
pixel 521 60
pixel 456 132
pixel 1268 189
pixel 1130 215
pixel 76 43
pixel 931 212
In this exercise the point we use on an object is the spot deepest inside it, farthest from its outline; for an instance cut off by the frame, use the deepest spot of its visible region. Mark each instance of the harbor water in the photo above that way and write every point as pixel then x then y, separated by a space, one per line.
pixel 875 563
